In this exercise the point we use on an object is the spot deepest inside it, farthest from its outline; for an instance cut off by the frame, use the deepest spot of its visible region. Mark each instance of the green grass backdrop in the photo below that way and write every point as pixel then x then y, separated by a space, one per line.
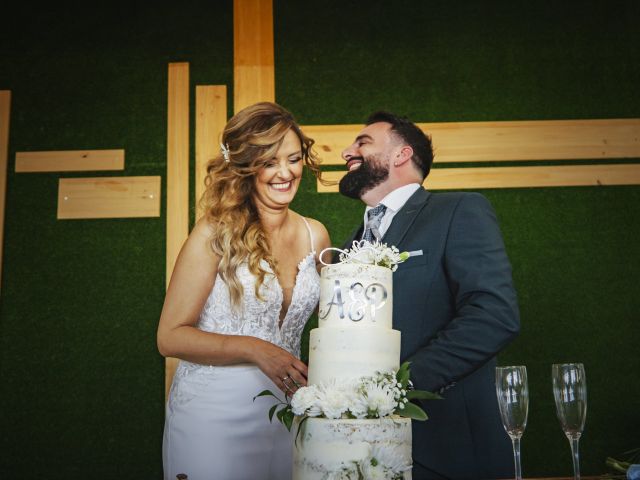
pixel 81 382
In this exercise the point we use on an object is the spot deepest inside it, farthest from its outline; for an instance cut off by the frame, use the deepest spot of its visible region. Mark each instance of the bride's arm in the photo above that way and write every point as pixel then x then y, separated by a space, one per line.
pixel 191 282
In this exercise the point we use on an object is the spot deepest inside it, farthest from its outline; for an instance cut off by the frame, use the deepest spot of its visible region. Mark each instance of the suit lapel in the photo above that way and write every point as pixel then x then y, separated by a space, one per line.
pixel 405 217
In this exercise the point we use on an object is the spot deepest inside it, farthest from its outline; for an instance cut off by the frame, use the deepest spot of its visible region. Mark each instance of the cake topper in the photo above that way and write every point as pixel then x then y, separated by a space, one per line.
pixel 368 253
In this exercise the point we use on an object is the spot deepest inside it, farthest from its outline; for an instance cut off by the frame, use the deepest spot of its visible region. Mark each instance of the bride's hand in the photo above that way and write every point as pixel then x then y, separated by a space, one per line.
pixel 285 370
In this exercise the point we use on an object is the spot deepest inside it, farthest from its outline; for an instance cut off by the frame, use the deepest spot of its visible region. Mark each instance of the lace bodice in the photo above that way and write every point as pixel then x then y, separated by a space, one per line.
pixel 262 318
pixel 259 318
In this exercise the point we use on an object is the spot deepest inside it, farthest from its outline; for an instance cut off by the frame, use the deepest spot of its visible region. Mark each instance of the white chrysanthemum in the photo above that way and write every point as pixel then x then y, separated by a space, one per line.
pixel 359 405
pixel 381 399
pixel 305 401
pixel 392 457
pixel 343 474
pixel 333 399
pixel 374 472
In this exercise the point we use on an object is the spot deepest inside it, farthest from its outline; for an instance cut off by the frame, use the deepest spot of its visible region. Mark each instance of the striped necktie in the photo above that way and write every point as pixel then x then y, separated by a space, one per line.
pixel 374 218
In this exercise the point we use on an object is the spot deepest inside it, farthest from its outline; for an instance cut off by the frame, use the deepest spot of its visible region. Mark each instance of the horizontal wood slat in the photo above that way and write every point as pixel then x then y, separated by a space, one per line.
pixel 69 161
pixel 517 177
pixel 253 57
pixel 504 141
pixel 109 197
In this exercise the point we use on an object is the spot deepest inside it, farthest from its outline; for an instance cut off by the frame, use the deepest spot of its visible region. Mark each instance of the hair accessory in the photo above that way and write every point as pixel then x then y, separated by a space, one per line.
pixel 224 149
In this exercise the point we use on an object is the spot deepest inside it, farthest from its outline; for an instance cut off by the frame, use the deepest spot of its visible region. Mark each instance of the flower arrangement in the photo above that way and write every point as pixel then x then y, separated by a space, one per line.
pixel 384 462
pixel 379 396
pixel 368 253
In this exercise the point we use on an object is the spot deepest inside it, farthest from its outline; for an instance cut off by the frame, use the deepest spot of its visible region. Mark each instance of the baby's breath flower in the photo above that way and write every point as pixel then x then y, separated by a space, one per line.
pixel 375 253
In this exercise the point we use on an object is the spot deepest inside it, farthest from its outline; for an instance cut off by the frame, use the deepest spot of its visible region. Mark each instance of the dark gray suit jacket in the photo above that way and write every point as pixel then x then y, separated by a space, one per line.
pixel 456 307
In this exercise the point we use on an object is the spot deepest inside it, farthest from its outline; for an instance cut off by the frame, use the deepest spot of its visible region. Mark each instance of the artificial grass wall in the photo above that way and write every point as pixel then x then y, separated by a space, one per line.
pixel 81 383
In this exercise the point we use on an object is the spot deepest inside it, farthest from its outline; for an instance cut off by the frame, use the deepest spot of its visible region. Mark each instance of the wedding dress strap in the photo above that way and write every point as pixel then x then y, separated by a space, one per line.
pixel 313 248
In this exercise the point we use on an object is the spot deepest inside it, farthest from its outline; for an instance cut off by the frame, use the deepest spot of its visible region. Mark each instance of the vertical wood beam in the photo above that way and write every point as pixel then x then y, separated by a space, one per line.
pixel 211 117
pixel 5 108
pixel 253 64
pixel 177 176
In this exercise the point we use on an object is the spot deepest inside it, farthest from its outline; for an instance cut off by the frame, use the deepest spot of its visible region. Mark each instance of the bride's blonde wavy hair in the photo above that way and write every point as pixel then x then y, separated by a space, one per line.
pixel 252 137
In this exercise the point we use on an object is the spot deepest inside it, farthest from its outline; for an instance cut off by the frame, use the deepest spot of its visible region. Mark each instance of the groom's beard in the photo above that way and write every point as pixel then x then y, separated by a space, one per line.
pixel 370 174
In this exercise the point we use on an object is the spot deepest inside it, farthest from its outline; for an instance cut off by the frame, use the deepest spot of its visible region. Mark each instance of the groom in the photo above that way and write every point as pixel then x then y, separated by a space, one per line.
pixel 454 299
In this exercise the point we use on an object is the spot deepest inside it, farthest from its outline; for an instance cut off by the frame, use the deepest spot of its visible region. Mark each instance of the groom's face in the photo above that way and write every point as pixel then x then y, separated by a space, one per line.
pixel 367 160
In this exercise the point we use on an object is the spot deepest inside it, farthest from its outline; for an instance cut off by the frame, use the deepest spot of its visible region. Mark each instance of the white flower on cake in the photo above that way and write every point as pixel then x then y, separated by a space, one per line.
pixel 384 462
pixel 381 399
pixel 344 474
pixel 374 471
pixel 359 406
pixel 368 253
pixel 392 458
pixel 306 403
pixel 333 399
pixel 379 396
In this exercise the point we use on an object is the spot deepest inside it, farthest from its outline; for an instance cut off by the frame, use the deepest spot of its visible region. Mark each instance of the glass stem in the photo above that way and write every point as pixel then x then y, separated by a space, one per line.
pixel 516 457
pixel 576 457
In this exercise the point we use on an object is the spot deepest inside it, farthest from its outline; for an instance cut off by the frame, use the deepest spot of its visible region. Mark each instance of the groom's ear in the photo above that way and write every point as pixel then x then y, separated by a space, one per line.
pixel 403 156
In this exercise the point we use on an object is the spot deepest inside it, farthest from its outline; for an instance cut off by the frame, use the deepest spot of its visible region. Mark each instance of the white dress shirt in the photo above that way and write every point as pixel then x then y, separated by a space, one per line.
pixel 394 201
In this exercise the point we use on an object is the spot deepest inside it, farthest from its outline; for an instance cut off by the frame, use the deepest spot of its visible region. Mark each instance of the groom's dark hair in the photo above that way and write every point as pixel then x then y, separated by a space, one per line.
pixel 412 135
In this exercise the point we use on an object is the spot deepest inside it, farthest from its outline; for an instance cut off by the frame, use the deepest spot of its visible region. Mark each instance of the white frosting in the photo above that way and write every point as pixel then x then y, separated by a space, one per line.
pixel 325 446
pixel 352 352
pixel 355 294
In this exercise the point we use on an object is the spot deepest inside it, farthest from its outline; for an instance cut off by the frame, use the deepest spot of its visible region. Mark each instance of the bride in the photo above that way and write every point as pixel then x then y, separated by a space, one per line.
pixel 242 289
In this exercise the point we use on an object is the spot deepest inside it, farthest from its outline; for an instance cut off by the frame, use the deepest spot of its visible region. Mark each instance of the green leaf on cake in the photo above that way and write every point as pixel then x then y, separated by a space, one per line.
pixel 411 410
pixel 266 393
pixel 403 374
pixel 287 418
pixel 304 419
pixel 272 410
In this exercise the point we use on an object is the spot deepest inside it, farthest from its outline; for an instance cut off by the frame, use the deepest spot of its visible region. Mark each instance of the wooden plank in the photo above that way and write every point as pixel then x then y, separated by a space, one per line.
pixel 505 141
pixel 69 161
pixel 211 117
pixel 177 175
pixel 108 197
pixel 253 64
pixel 5 110
pixel 518 177
pixel 177 162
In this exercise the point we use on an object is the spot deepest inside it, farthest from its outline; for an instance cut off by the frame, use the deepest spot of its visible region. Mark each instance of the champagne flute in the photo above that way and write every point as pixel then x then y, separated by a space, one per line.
pixel 570 393
pixel 513 400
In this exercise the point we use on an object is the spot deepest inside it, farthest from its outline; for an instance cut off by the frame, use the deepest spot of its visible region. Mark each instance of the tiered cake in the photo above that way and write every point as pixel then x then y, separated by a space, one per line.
pixel 355 339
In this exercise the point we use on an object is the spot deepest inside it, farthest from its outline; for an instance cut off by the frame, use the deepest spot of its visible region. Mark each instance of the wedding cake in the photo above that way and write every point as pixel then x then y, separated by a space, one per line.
pixel 348 427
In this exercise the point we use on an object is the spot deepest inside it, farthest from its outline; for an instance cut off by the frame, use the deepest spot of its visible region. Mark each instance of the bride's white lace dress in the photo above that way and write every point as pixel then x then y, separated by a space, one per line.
pixel 213 428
